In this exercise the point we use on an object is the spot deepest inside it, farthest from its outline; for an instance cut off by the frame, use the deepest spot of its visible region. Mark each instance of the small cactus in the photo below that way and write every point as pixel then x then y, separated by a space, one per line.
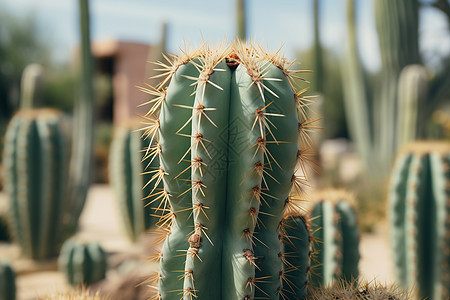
pixel 419 212
pixel 35 161
pixel 7 282
pixel 334 227
pixel 82 263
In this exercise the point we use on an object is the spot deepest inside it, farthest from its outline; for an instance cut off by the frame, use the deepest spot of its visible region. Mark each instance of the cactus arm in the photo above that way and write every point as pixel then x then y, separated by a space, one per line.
pixel 297 261
pixel 283 125
pixel 350 241
pixel 209 180
pixel 172 119
pixel 412 92
pixel 7 282
pixel 243 188
pixel 31 86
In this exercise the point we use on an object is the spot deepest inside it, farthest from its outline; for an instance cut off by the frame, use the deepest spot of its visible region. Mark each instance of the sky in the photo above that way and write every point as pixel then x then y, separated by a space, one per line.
pixel 286 23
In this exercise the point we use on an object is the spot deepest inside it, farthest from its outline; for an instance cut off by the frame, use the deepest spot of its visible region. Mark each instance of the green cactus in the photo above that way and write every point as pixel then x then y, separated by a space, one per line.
pixel 82 263
pixel 227 139
pixel 35 161
pixel 127 164
pixel 241 19
pixel 296 255
pixel 7 282
pixel 335 229
pixel 412 93
pixel 375 134
pixel 419 218
pixel 31 86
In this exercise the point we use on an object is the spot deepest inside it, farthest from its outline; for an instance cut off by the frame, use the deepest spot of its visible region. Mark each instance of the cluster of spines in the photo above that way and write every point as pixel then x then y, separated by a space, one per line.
pixel 419 209
pixel 205 60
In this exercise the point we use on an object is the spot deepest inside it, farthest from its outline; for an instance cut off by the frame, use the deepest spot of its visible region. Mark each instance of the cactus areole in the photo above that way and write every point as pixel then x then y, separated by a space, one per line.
pixel 228 142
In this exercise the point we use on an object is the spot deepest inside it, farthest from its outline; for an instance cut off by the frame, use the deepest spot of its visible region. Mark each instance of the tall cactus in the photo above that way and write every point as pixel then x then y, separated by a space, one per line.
pixel 374 136
pixel 7 282
pixel 419 209
pixel 35 159
pixel 127 165
pixel 335 229
pixel 227 139
pixel 82 263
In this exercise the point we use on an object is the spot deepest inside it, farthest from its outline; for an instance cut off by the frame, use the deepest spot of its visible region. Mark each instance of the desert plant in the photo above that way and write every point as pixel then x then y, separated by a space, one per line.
pixel 296 254
pixel 7 282
pixel 35 164
pixel 227 138
pixel 127 165
pixel 419 216
pixel 334 227
pixel 82 263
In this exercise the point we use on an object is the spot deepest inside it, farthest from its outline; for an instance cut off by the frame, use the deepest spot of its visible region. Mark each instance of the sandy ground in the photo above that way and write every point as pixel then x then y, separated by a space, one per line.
pixel 99 222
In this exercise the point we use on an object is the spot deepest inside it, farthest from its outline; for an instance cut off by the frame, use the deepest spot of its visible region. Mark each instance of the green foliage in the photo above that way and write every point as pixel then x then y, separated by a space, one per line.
pixel 127 164
pixel 227 136
pixel 82 263
pixel 335 232
pixel 35 162
pixel 419 214
pixel 7 282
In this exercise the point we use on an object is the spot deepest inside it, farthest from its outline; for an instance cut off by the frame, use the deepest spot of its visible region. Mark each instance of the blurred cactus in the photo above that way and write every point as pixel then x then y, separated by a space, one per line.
pixel 31 86
pixel 127 165
pixel 375 134
pixel 335 230
pixel 412 93
pixel 419 218
pixel 227 138
pixel 7 282
pixel 241 21
pixel 82 264
pixel 34 158
pixel 4 228
pixel 80 171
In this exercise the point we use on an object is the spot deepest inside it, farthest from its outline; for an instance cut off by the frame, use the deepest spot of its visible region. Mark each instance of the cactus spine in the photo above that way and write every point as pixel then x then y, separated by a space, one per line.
pixel 126 165
pixel 7 282
pixel 419 208
pixel 335 229
pixel 82 263
pixel 35 167
pixel 228 134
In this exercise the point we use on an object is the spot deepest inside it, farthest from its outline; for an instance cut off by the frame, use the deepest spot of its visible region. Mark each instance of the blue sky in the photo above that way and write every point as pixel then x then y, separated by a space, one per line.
pixel 272 23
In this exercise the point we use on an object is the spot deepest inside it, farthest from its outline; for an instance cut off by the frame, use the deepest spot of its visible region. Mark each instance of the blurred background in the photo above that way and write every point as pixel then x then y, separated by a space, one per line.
pixel 358 51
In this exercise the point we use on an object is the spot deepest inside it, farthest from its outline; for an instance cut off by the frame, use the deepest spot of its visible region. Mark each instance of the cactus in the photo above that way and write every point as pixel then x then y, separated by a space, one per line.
pixel 7 282
pixel 296 254
pixel 336 253
pixel 375 134
pixel 31 86
pixel 419 218
pixel 126 165
pixel 241 19
pixel 82 263
pixel 412 93
pixel 227 140
pixel 35 176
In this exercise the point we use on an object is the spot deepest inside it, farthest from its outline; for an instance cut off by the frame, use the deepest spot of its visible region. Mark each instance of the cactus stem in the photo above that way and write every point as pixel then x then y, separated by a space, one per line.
pixel 199 111
pixel 198 139
pixel 260 117
pixel 196 165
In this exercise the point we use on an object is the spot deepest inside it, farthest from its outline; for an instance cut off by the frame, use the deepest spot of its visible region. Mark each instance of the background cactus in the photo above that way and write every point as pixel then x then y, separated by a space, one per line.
pixel 7 282
pixel 334 227
pixel 31 86
pixel 127 165
pixel 82 263
pixel 35 160
pixel 227 139
pixel 419 213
